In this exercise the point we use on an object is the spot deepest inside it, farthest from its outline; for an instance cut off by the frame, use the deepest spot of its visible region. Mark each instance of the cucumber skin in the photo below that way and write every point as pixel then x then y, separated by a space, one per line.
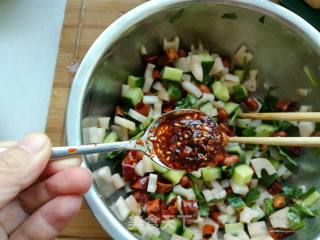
pixel 242 174
pixel 133 96
pixel 220 91
pixel 172 74
pixel 173 175
pixel 210 173
pixel 135 81
pixel 171 226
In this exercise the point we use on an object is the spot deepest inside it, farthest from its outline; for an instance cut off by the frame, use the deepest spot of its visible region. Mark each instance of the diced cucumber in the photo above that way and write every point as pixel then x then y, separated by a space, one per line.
pixel 265 130
pixel 240 93
pixel 242 174
pixel 172 74
pixel 210 173
pixel 230 107
pixel 236 202
pixel 169 197
pixel 234 228
pixel 259 210
pixel 111 137
pixel 206 62
pixel 240 73
pixel 173 175
pixel 159 168
pixel 174 91
pixel 187 233
pixel 234 148
pixel 135 81
pixel 133 96
pixel 171 226
pixel 220 91
pixel 208 109
pixel 310 197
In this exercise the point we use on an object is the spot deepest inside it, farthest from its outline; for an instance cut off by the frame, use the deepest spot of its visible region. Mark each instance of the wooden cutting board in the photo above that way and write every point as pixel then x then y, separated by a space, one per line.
pixel 83 22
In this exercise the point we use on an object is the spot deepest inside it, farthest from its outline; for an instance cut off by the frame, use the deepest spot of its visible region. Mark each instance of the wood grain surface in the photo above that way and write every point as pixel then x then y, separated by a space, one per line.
pixel 84 21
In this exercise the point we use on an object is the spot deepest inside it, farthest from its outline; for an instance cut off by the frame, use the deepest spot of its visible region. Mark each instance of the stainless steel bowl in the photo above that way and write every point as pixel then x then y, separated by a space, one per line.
pixel 282 45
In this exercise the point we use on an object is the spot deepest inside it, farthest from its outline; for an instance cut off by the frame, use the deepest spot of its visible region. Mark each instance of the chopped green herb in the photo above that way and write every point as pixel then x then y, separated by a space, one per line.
pixel 294 192
pixel 229 16
pixel 295 221
pixel 189 101
pixel 270 101
pixel 204 209
pixel 266 179
pixel 176 16
pixel 268 206
pixel 252 196
pixel 302 210
pixel 262 19
pixel 288 160
pixel 285 125
pixel 248 132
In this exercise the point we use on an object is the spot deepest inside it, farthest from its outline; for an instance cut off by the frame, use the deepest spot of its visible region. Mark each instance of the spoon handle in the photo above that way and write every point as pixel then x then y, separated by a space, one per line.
pixel 68 151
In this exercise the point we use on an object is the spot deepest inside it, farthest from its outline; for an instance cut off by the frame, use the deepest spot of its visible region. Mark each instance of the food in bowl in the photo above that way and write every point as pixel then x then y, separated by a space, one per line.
pixel 242 193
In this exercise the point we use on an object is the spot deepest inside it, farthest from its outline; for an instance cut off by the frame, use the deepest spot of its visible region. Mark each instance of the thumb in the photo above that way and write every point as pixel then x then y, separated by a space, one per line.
pixel 21 165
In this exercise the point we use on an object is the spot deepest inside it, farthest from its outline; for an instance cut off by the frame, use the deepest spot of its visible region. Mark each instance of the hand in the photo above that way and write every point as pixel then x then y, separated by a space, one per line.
pixel 38 199
pixel 313 3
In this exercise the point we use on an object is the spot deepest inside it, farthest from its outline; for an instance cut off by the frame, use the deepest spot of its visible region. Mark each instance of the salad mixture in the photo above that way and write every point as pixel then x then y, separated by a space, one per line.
pixel 242 194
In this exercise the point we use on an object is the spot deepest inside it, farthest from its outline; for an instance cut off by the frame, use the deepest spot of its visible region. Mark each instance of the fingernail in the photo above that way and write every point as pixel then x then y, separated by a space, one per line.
pixel 34 142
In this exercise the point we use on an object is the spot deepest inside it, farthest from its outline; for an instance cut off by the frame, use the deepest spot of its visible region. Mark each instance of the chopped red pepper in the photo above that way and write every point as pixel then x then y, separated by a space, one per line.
pixel 185 182
pixel 140 184
pixel 143 108
pixel 208 230
pixel 280 233
pixel 190 210
pixel 131 159
pixel 164 187
pixel 154 208
pixel 170 211
pixel 141 197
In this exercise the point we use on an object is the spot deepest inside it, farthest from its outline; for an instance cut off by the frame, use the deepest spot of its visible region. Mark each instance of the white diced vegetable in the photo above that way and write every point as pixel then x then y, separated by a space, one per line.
pixel 143 228
pixel 149 99
pixel 197 173
pixel 225 183
pixel 239 189
pixel 196 67
pixel 279 218
pixel 148 78
pixel 305 108
pixel 207 195
pixel 124 89
pixel 304 92
pixel 139 168
pixel 306 129
pixel 183 63
pixel 251 83
pixel 217 191
pixel 254 183
pixel 206 97
pixel 218 104
pixel 263 195
pixel 242 55
pixel 258 229
pixel 133 205
pixel 147 164
pixel 96 135
pixel 121 208
pixel 179 202
pixel 152 183
pixel 217 66
pixel 186 77
pixel 247 214
pixel 259 164
pixel 157 110
pixel 187 193
pixel 195 229
pixel 171 44
pixel 103 175
pixel 163 93
pixel 138 116
pixel 117 181
pixel 227 219
pixel 121 132
pixel 125 123
pixel 191 88
pixel 143 50
pixel 177 237
pixel 103 122
pixel 231 77
pixel 284 172
pixel 264 237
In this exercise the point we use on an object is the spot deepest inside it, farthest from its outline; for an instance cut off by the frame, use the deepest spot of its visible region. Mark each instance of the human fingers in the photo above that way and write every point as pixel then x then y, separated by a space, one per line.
pixel 49 220
pixel 21 165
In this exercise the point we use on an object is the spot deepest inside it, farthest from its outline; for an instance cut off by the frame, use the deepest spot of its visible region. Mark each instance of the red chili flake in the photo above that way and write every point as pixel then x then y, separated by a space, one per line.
pixel 190 210
pixel 280 233
pixel 156 74
pixel 143 108
pixel 140 142
pixel 140 184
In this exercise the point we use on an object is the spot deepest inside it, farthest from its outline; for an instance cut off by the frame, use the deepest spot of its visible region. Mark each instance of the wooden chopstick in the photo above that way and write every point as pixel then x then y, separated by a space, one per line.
pixel 280 141
pixel 288 116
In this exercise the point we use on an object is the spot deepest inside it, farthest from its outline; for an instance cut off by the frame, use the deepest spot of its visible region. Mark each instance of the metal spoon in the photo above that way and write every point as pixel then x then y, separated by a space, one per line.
pixel 143 144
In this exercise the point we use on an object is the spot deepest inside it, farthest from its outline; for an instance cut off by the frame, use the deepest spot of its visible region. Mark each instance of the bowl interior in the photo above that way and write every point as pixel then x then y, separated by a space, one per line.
pixel 280 53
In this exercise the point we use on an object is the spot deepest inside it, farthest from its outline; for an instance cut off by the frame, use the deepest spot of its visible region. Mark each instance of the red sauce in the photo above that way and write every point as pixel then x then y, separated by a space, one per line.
pixel 72 150
pixel 187 141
